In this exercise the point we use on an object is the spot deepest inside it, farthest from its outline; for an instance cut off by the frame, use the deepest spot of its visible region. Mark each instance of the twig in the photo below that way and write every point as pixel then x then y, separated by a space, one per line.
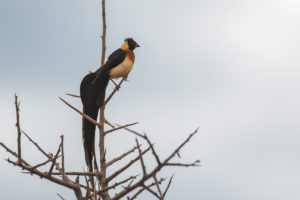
pixel 170 181
pixel 153 150
pixel 88 191
pixel 73 95
pixel 120 127
pixel 157 186
pixel 62 157
pixel 14 154
pixel 121 156
pixel 132 131
pixel 35 144
pixel 60 196
pixel 143 188
pixel 17 104
pixel 54 159
pixel 194 164
pixel 141 157
pixel 41 164
pixel 81 113
pixel 180 146
pixel 113 92
pixel 126 166
pixel 79 173
pixel 65 183
pixel 118 183
pixel 103 33
pixel 108 123
pixel 112 80
pixel 151 191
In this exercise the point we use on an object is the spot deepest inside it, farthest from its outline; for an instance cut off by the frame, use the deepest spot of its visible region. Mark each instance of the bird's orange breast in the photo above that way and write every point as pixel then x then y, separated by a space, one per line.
pixel 130 55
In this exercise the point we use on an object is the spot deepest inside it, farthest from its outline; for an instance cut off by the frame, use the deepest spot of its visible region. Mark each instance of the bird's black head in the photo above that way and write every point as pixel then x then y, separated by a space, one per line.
pixel 131 43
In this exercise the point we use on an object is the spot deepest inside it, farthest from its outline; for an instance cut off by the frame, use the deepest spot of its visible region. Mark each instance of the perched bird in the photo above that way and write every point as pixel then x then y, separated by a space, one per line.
pixel 92 91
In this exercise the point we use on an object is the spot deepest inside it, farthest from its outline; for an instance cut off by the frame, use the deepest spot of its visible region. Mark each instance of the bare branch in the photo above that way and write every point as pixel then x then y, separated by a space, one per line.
pixel 153 150
pixel 126 166
pixel 194 164
pixel 79 173
pixel 54 159
pixel 132 131
pixel 112 80
pixel 157 186
pixel 108 123
pixel 170 181
pixel 17 104
pixel 120 127
pixel 103 33
pixel 14 154
pixel 81 113
pixel 180 146
pixel 35 144
pixel 73 95
pixel 62 157
pixel 141 157
pixel 121 156
pixel 60 196
pixel 153 172
pixel 152 192
pixel 117 184
pixel 113 92
pixel 68 184
pixel 143 188
pixel 41 164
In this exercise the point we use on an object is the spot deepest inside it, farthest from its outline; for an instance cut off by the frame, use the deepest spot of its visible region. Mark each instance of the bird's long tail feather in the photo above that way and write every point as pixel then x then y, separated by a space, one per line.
pixel 88 130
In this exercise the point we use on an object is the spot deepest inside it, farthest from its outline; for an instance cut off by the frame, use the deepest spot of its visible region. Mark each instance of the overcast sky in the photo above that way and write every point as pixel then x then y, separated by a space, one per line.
pixel 230 67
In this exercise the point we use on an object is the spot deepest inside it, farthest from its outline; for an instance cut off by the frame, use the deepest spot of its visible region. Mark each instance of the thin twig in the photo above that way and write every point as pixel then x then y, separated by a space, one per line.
pixel 141 157
pixel 120 127
pixel 108 123
pixel 132 131
pixel 17 104
pixel 157 185
pixel 54 159
pixel 153 150
pixel 121 156
pixel 152 192
pixel 35 144
pixel 113 92
pixel 73 95
pixel 103 33
pixel 118 183
pixel 41 164
pixel 168 186
pixel 60 196
pixel 81 113
pixel 194 164
pixel 143 188
pixel 62 157
pixel 126 166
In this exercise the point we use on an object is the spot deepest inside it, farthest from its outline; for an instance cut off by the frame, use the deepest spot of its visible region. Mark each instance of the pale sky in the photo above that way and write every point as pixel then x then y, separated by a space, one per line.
pixel 230 67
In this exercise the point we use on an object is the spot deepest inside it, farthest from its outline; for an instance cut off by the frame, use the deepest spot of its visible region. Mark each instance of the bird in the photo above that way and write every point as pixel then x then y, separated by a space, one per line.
pixel 92 91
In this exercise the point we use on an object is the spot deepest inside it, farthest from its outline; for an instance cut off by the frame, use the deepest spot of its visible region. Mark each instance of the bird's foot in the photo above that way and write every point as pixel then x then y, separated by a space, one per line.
pixel 126 78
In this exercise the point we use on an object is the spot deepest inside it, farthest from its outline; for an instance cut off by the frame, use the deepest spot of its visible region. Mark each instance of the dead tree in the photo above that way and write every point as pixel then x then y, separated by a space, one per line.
pixel 98 184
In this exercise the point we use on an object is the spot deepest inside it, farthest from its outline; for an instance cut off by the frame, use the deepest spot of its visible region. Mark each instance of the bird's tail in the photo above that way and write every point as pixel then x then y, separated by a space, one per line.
pixel 88 134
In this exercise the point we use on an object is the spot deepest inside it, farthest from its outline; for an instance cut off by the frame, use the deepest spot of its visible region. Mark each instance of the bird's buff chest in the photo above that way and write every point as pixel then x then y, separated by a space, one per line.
pixel 123 69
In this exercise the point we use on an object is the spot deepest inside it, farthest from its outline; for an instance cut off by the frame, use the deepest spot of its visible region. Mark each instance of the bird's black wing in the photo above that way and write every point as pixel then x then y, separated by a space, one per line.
pixel 113 60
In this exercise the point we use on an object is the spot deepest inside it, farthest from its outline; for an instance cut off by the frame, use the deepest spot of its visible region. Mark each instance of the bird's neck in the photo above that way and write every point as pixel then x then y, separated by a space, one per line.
pixel 130 55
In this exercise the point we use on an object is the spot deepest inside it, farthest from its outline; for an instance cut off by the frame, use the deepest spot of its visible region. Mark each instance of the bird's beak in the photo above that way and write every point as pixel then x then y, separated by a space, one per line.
pixel 137 45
